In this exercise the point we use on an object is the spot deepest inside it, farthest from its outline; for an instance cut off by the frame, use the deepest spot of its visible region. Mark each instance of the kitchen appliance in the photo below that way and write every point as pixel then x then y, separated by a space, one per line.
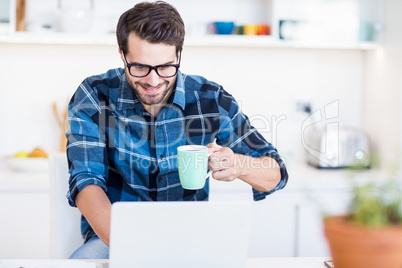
pixel 337 148
pixel 75 17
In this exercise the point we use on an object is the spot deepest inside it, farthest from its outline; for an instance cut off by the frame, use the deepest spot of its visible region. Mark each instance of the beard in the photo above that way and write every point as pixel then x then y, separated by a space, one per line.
pixel 147 99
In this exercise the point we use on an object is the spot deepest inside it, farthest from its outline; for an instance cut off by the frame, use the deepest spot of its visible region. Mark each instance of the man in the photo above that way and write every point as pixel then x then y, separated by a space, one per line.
pixel 126 125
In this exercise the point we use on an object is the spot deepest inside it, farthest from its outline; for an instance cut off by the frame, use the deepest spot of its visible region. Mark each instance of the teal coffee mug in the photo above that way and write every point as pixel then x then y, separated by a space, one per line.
pixel 193 166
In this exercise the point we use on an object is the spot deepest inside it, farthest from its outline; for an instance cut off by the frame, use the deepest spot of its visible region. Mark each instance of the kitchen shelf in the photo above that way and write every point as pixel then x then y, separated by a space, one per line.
pixel 243 12
pixel 190 41
pixel 57 38
pixel 271 42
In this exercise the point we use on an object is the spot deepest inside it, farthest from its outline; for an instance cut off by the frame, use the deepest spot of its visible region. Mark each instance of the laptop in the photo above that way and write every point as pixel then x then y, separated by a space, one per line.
pixel 179 234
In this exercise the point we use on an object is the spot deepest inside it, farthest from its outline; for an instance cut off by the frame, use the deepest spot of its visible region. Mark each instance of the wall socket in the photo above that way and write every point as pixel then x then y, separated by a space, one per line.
pixel 303 107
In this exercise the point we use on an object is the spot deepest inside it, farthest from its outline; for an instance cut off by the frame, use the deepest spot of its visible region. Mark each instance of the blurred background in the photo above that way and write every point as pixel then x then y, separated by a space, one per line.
pixel 296 68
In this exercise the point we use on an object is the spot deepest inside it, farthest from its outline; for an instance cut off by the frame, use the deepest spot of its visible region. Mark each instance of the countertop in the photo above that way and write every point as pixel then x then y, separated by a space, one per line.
pixel 301 177
pixel 23 181
pixel 306 177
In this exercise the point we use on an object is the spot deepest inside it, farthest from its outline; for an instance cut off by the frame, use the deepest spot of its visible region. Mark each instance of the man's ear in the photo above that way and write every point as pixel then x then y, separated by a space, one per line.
pixel 121 55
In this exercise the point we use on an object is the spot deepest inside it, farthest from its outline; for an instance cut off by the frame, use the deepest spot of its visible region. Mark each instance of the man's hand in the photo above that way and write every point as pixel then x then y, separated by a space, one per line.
pixel 262 173
pixel 222 163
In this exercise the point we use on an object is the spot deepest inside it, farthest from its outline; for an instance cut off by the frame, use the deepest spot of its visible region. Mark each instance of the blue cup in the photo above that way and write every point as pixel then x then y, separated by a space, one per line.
pixel 224 27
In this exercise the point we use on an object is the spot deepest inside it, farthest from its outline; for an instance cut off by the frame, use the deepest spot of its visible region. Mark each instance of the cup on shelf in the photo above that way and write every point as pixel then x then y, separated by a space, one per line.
pixel 264 29
pixel 254 29
pixel 250 29
pixel 239 29
pixel 224 27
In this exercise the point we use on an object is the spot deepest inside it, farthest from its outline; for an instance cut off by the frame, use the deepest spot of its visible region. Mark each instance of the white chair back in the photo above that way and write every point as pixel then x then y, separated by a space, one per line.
pixel 65 233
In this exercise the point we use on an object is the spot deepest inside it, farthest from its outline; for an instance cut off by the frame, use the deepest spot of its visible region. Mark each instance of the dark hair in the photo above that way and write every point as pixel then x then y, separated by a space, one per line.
pixel 156 22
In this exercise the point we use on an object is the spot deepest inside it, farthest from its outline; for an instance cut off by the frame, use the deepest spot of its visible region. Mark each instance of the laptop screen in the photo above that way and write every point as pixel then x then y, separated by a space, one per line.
pixel 179 234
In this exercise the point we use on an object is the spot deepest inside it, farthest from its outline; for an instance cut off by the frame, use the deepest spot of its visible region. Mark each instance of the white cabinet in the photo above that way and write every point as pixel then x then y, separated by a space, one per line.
pixel 273 227
pixel 24 210
pixel 24 226
pixel 273 221
pixel 288 223
pixel 309 214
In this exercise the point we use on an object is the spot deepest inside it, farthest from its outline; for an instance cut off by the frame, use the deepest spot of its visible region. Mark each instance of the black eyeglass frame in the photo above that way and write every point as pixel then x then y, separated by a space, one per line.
pixel 150 67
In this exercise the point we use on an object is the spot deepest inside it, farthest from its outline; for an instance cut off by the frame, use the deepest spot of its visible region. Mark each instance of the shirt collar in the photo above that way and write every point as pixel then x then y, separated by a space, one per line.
pixel 128 100
pixel 179 95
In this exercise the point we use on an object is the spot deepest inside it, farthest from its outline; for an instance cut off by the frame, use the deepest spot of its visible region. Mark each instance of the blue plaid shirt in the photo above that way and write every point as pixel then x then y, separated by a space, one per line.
pixel 114 143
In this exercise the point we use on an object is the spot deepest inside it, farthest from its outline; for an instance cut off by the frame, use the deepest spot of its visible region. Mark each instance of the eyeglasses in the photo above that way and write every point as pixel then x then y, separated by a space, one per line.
pixel 142 70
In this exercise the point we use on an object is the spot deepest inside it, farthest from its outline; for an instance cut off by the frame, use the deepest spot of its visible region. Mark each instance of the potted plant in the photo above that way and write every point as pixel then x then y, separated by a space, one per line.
pixel 370 236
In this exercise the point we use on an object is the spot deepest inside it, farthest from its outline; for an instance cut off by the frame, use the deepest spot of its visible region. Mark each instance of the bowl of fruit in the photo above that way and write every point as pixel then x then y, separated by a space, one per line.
pixel 36 160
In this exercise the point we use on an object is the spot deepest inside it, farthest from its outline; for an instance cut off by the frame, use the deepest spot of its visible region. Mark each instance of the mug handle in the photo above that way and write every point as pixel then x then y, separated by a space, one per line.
pixel 209 172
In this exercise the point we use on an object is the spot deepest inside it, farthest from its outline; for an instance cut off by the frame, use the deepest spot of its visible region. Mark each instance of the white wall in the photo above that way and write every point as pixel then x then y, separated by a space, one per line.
pixel 271 81
pixel 383 86
pixel 266 81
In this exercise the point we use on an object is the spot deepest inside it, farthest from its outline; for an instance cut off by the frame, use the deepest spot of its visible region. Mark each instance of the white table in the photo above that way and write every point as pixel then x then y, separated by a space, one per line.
pixel 251 263
pixel 287 262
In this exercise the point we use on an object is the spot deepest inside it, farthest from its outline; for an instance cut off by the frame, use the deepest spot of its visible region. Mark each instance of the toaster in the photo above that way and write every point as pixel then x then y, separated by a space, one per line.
pixel 337 148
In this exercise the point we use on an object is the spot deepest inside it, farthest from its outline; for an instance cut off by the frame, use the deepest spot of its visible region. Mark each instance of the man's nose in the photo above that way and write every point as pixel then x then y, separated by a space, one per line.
pixel 152 78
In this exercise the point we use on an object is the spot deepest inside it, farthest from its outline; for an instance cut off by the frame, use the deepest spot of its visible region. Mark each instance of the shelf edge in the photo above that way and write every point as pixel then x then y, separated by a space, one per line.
pixel 235 41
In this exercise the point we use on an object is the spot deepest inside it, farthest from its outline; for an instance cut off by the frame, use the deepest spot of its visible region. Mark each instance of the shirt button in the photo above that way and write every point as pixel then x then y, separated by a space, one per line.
pixel 161 157
pixel 160 179
pixel 158 126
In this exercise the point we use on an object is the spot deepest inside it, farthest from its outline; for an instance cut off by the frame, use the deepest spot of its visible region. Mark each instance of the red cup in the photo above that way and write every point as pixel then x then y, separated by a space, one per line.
pixel 264 29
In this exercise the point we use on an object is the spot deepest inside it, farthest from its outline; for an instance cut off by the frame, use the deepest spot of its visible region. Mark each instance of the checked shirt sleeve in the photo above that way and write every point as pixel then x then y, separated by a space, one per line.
pixel 237 133
pixel 85 142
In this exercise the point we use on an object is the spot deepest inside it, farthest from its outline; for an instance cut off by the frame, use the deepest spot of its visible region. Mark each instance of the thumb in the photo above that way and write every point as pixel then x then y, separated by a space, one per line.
pixel 213 147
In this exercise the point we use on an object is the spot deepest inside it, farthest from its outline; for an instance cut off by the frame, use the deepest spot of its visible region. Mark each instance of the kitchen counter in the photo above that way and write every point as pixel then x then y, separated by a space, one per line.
pixel 301 176
pixel 306 177
pixel 11 181
pixel 294 212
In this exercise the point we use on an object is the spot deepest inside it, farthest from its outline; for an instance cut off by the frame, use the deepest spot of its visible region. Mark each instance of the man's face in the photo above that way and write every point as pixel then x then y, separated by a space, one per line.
pixel 152 90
